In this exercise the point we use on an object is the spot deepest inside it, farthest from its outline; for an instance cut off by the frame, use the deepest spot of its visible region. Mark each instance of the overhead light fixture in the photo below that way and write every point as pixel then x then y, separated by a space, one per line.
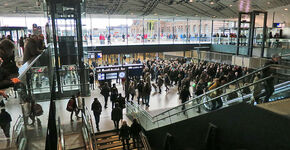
pixel 176 14
pixel 268 3
pixel 196 15
pixel 155 14
pixel 6 4
pixel 213 16
pixel 285 9
pixel 231 5
pixel 191 1
pixel 132 14
pixel 211 2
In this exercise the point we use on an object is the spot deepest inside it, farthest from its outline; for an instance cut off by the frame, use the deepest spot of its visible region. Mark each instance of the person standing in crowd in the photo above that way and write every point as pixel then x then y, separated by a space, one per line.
pixel 147 92
pixel 121 101
pixel 125 135
pixel 5 120
pixel 114 95
pixel 116 115
pixel 217 103
pixel 105 91
pixel 31 48
pixel 160 83
pixel 269 83
pixel 184 95
pixel 140 87
pixel 135 130
pixel 21 44
pixel 167 82
pixel 92 81
pixel 97 109
pixel 79 104
pixel 8 68
pixel 131 90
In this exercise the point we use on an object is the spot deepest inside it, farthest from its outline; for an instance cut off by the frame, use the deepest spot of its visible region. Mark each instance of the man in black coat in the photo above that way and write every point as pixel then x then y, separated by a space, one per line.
pixel 114 95
pixel 116 115
pixel 135 130
pixel 97 109
pixel 105 91
pixel 184 95
pixel 5 120
pixel 268 84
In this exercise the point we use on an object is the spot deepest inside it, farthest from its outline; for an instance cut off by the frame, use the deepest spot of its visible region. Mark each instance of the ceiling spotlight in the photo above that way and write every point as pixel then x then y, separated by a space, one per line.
pixel 286 9
pixel 176 14
pixel 132 14
pixel 268 3
pixel 213 16
pixel 231 5
pixel 211 2
pixel 6 4
pixel 196 15
pixel 155 14
pixel 191 1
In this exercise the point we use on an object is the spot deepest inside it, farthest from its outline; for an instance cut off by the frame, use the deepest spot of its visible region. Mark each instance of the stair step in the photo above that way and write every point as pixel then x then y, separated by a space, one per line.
pixel 108 140
pixel 107 146
pixel 114 145
pixel 104 135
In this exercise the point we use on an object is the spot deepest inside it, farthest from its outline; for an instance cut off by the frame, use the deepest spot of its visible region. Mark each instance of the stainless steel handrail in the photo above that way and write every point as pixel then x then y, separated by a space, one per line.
pixel 25 67
pixel 93 131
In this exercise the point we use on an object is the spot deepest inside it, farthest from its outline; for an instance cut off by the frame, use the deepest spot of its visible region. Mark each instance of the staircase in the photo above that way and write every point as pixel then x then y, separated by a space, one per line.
pixel 109 140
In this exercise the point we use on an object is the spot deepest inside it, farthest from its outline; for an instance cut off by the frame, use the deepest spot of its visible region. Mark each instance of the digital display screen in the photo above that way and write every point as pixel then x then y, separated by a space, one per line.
pixel 111 76
pixel 277 25
pixel 99 55
pixel 101 76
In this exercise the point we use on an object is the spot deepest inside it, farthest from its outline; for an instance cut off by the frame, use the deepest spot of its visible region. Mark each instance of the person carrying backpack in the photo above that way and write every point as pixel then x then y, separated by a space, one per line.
pixel 72 107
pixel 97 109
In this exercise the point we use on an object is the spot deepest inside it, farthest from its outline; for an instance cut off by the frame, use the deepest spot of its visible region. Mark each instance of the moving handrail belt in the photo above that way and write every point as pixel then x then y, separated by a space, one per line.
pixel 25 67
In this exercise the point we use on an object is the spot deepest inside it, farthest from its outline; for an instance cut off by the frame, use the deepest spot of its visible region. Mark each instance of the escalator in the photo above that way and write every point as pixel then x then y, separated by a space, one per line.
pixel 237 122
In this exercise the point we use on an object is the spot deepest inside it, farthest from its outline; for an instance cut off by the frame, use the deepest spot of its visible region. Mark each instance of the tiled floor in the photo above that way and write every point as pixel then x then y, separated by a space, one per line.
pixel 158 102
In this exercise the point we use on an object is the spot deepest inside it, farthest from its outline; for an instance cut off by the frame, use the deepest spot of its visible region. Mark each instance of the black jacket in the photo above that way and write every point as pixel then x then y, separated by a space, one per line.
pixel 135 129
pixel 116 114
pixel 125 132
pixel 96 107
pixel 5 118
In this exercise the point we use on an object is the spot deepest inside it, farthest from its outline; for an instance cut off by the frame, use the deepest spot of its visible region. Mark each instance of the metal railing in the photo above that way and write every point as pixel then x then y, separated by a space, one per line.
pixel 151 122
pixel 88 130
pixel 61 141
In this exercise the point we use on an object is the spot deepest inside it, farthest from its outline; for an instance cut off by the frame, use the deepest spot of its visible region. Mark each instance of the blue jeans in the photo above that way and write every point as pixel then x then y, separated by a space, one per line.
pixel 147 98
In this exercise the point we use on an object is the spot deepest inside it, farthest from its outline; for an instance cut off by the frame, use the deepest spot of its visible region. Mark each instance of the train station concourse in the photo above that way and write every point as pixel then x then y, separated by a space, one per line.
pixel 145 75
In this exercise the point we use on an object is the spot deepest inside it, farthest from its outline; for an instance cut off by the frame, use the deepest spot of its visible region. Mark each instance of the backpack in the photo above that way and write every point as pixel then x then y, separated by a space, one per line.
pixel 69 106
pixel 38 110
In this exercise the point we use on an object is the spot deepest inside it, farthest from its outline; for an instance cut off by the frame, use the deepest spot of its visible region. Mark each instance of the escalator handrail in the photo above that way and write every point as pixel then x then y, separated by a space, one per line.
pixel 223 86
pixel 25 67
pixel 212 99
pixel 144 141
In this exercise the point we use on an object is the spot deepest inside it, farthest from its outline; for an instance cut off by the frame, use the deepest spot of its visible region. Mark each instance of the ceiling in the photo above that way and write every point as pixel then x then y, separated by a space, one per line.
pixel 186 8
